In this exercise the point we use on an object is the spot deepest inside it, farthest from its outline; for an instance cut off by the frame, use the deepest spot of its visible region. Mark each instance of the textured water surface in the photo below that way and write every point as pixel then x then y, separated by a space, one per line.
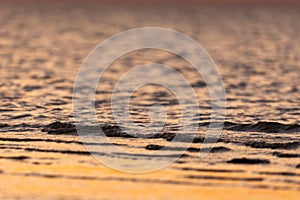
pixel 256 50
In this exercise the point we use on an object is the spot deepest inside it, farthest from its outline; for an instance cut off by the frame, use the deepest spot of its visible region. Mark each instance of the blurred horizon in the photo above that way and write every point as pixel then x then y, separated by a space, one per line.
pixel 156 2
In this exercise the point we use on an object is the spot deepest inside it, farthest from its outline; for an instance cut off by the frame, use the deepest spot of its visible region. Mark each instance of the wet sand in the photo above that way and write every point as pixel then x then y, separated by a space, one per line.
pixel 256 50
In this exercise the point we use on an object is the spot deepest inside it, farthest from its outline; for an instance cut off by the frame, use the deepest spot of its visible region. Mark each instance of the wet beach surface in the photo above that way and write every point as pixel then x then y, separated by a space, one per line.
pixel 257 51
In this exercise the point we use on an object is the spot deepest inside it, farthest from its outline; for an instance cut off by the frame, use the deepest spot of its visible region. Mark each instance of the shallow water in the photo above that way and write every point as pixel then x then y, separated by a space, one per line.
pixel 256 50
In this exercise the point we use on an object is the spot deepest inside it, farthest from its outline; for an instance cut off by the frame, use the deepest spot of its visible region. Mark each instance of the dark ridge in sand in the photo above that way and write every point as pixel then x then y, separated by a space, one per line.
pixel 211 170
pixel 266 127
pixel 41 163
pixel 180 161
pixel 217 149
pixel 115 131
pixel 3 125
pixel 29 88
pixel 276 145
pixel 109 130
pixel 59 128
pixel 15 157
pixel 286 155
pixel 39 140
pixel 199 84
pixel 62 151
pixel 21 116
pixel 22 127
pixel 248 161
pixel 11 148
pixel 190 149
pixel 87 153
pixel 279 173
pixel 154 147
pixel 224 178
pixel 56 141
pixel 105 178
pixel 153 155
pixel 165 135
pixel 154 181
pixel 69 128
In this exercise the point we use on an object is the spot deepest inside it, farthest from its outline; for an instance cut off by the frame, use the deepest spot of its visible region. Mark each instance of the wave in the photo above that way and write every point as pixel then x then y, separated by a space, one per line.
pixel 267 127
